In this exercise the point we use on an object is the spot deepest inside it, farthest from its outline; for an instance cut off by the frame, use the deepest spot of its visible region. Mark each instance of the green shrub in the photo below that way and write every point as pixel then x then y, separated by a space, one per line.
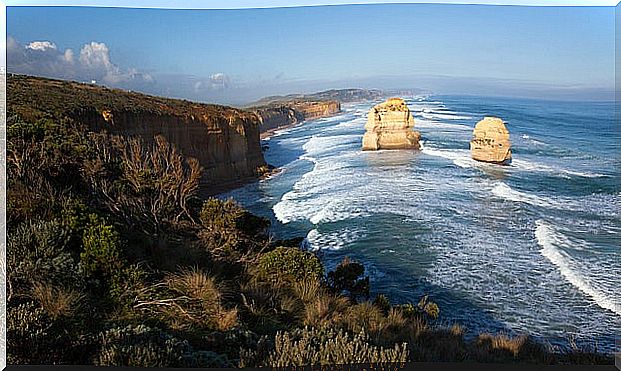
pixel 330 347
pixel 37 250
pixel 348 277
pixel 382 302
pixel 127 285
pixel 429 308
pixel 101 254
pixel 140 346
pixel 289 263
pixel 231 232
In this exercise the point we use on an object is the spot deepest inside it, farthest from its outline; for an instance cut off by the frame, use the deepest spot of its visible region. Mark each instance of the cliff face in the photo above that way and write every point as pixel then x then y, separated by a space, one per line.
pixel 490 142
pixel 288 113
pixel 314 110
pixel 275 117
pixel 224 140
pixel 389 126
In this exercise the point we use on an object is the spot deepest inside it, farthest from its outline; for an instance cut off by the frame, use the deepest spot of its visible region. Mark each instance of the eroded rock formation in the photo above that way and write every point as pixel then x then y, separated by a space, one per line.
pixel 389 126
pixel 490 142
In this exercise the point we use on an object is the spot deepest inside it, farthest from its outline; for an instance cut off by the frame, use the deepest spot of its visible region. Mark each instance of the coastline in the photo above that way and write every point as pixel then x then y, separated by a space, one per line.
pixel 327 236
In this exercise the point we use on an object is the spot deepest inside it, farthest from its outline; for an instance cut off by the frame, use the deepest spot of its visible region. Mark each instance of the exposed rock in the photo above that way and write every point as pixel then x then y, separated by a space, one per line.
pixel 490 141
pixel 284 114
pixel 107 116
pixel 389 126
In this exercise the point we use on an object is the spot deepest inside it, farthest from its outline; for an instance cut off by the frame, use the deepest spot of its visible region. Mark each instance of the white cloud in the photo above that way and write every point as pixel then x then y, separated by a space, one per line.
pixel 96 55
pixel 41 45
pixel 219 81
pixel 68 56
pixel 43 58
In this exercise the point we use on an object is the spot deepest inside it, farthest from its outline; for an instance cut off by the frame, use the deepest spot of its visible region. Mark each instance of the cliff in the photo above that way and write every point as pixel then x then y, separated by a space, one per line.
pixel 490 142
pixel 276 115
pixel 389 126
pixel 224 140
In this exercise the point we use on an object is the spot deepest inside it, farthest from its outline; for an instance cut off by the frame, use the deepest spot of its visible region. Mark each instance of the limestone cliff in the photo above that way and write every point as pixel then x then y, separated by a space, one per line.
pixel 389 126
pixel 490 142
pixel 274 115
pixel 224 140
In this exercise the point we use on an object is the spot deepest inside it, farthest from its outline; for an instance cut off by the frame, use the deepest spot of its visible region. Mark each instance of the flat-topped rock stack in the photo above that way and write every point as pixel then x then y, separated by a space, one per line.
pixel 490 142
pixel 389 126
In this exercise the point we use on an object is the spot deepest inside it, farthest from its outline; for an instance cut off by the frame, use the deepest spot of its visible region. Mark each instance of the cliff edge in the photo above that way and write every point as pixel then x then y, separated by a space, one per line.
pixel 224 140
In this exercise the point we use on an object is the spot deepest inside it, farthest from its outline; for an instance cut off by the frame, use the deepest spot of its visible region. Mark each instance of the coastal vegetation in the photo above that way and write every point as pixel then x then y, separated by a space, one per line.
pixel 114 257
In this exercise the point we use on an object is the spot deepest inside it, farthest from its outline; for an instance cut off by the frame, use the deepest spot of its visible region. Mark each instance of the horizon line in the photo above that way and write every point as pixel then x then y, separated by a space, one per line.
pixel 241 105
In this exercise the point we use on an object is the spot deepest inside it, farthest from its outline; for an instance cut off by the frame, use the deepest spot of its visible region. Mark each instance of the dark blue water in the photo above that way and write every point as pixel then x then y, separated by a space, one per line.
pixel 532 247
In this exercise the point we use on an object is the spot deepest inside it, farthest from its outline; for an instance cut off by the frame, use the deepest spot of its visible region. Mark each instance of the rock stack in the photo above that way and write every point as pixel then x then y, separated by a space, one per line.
pixel 490 142
pixel 389 126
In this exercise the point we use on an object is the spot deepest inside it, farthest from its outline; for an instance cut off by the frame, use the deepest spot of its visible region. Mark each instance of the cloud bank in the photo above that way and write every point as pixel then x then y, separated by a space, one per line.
pixel 44 58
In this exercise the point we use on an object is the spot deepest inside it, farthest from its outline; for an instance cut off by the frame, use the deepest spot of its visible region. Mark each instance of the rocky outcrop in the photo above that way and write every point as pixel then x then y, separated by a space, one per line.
pixel 490 142
pixel 224 140
pixel 389 126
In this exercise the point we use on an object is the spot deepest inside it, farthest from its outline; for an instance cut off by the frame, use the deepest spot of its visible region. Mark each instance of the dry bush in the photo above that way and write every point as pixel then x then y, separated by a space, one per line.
pixel 145 185
pixel 189 299
pixel 325 310
pixel 503 343
pixel 366 316
pixel 262 304
pixel 56 301
pixel 308 289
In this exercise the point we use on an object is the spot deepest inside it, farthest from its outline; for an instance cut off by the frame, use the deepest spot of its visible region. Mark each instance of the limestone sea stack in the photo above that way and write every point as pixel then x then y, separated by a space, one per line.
pixel 389 126
pixel 490 142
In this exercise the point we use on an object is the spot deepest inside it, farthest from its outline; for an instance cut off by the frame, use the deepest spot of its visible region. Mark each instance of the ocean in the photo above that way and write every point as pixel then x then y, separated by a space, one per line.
pixel 528 248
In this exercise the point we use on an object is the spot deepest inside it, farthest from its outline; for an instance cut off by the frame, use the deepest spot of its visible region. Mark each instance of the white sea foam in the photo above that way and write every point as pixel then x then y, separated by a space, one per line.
pixel 539 167
pixel 448 115
pixel 423 123
pixel 551 243
pixel 332 241
pixel 460 157
pixel 504 191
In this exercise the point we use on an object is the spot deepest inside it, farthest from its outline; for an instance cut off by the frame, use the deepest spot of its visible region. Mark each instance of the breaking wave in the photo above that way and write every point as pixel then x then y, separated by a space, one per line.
pixel 552 244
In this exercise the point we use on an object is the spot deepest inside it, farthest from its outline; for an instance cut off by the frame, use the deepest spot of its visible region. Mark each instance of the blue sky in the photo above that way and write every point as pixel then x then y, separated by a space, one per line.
pixel 235 56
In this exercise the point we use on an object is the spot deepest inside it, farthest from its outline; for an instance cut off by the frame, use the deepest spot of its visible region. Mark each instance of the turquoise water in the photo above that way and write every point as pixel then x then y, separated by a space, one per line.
pixel 531 247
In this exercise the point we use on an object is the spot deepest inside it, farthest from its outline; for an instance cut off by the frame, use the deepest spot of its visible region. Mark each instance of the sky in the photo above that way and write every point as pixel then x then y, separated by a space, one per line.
pixel 237 56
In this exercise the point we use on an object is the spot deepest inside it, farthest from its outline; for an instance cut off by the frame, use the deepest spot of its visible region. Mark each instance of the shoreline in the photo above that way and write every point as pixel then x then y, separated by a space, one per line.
pixel 270 132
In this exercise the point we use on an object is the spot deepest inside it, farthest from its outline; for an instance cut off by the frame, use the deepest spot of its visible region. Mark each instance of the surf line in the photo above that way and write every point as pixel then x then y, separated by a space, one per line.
pixel 547 238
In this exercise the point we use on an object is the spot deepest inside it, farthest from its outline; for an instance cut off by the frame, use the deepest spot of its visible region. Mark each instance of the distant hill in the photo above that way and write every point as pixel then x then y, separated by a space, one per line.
pixel 341 95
